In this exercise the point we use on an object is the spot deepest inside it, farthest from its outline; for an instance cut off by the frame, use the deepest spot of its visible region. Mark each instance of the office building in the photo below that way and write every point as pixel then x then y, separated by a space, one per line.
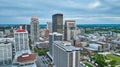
pixel 5 53
pixel 57 23
pixel 47 33
pixel 49 27
pixel 54 37
pixel 34 29
pixel 42 45
pixel 21 40
pixel 44 33
pixel 65 55
pixel 70 31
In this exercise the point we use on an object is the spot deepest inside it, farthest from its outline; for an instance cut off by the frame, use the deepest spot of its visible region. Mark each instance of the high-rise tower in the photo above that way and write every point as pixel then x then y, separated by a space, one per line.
pixel 65 55
pixel 34 29
pixel 57 23
pixel 54 37
pixel 21 40
pixel 70 30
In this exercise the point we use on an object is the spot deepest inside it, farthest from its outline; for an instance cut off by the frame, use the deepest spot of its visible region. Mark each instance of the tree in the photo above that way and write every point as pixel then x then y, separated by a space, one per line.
pixel 35 49
pixel 30 44
pixel 41 52
pixel 113 63
pixel 100 59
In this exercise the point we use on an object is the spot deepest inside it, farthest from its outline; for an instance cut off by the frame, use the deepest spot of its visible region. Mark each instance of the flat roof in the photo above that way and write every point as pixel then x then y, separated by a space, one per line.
pixel 90 48
pixel 94 44
pixel 58 14
pixel 73 21
pixel 8 39
pixel 66 46
pixel 101 42
pixel 56 33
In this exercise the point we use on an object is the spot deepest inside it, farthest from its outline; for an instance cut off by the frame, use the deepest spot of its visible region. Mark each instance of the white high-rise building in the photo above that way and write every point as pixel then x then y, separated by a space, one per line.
pixel 34 29
pixel 21 40
pixel 65 55
pixel 5 53
pixel 54 37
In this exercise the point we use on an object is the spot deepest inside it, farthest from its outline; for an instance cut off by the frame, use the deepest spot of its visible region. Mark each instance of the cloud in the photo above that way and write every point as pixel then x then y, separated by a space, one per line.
pixel 94 5
pixel 20 11
pixel 78 18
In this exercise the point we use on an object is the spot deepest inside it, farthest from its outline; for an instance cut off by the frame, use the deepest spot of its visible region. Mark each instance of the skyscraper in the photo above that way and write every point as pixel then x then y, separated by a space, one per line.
pixel 57 23
pixel 65 55
pixel 70 30
pixel 34 29
pixel 21 40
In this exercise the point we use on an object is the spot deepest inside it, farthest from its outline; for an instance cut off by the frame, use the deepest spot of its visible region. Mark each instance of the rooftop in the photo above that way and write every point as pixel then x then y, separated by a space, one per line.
pixel 94 44
pixel 26 57
pixel 55 33
pixel 73 21
pixel 58 14
pixel 101 42
pixel 89 48
pixel 66 46
pixel 4 40
pixel 20 30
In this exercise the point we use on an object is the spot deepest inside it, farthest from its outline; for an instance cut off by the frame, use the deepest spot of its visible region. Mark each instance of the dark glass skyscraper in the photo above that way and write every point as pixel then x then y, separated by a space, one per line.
pixel 57 23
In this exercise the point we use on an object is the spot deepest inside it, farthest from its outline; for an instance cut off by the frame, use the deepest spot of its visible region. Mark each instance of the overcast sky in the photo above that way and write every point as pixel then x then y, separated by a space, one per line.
pixel 83 11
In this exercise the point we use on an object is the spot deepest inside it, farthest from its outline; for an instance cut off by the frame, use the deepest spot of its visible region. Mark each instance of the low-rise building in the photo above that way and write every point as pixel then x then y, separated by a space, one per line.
pixel 42 45
pixel 26 59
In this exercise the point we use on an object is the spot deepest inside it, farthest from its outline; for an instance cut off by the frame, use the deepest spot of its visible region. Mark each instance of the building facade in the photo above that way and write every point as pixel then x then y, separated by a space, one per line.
pixel 54 37
pixel 21 40
pixel 34 29
pixel 65 55
pixel 70 31
pixel 57 23
pixel 49 27
pixel 5 53
pixel 1 34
